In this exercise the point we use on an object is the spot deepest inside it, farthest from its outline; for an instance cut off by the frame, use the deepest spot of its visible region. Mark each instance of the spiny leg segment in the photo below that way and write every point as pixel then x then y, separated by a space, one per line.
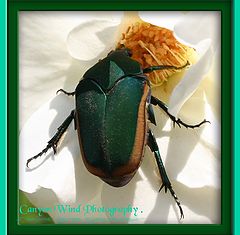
pixel 52 143
pixel 166 184
pixel 155 101
pixel 163 106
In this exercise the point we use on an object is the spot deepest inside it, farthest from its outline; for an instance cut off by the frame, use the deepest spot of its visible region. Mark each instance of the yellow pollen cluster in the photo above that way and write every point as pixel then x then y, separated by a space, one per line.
pixel 151 46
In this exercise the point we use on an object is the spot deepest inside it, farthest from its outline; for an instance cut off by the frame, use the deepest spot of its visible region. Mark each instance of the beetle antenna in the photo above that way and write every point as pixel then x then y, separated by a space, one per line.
pixel 162 67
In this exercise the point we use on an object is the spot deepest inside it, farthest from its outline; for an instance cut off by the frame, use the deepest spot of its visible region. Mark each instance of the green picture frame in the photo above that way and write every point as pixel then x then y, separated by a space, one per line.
pixel 3 118
pixel 14 7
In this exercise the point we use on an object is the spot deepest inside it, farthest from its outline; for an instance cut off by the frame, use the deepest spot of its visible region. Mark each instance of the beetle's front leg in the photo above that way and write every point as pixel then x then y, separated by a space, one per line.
pixel 52 143
pixel 152 143
pixel 66 93
pixel 155 101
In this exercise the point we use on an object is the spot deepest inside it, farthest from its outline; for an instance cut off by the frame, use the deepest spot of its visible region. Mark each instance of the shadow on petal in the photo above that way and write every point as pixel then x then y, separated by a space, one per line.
pixel 198 200
pixel 119 198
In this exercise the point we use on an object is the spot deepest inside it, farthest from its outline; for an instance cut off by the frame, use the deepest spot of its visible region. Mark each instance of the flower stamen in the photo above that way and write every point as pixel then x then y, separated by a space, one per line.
pixel 152 45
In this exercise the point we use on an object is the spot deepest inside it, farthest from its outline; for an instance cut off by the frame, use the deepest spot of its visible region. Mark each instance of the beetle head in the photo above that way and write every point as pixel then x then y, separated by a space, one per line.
pixel 122 49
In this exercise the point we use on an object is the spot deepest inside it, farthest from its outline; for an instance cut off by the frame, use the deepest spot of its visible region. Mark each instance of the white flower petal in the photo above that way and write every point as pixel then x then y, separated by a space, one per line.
pixel 204 37
pixel 165 19
pixel 192 78
pixel 197 26
pixel 91 39
pixel 43 56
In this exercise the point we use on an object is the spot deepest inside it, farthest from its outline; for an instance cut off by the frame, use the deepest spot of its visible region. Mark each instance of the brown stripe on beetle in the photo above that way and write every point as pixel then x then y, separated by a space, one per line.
pixel 140 139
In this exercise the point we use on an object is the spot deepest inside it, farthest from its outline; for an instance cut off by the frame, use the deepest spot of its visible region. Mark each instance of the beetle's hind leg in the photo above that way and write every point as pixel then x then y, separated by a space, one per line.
pixel 65 92
pixel 166 184
pixel 179 122
pixel 52 143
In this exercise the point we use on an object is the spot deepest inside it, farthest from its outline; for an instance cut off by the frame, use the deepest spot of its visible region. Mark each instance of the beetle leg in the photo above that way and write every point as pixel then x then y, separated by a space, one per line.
pixel 166 184
pixel 65 92
pixel 162 67
pixel 52 143
pixel 179 122
pixel 151 116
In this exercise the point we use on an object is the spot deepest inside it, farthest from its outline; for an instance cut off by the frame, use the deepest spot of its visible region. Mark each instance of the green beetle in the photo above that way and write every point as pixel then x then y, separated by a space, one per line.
pixel 113 106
